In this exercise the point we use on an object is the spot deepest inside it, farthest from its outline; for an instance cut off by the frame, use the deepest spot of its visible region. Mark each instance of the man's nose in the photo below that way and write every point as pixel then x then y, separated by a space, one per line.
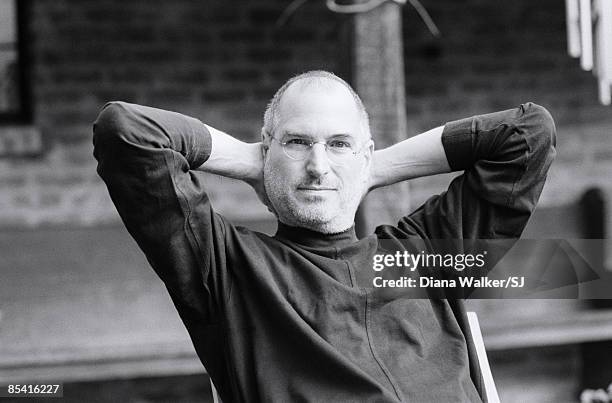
pixel 317 163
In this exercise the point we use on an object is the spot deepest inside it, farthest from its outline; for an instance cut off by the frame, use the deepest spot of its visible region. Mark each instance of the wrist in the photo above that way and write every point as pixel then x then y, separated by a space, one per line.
pixel 378 171
pixel 254 162
pixel 381 169
pixel 233 158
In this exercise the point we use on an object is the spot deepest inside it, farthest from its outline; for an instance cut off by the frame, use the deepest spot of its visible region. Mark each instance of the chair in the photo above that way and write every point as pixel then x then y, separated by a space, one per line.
pixel 483 361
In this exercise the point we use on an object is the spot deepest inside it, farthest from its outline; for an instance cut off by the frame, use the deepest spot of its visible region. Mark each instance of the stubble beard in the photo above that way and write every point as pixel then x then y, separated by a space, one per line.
pixel 328 218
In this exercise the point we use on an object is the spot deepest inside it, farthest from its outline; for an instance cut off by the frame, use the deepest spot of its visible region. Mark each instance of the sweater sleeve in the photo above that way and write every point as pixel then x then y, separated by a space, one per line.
pixel 146 157
pixel 505 157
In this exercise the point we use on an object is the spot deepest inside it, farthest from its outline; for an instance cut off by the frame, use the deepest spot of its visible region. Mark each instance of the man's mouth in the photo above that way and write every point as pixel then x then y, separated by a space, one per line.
pixel 316 188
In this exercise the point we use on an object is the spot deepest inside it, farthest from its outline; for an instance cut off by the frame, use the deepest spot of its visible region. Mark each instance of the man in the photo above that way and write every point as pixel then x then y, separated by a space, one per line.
pixel 294 317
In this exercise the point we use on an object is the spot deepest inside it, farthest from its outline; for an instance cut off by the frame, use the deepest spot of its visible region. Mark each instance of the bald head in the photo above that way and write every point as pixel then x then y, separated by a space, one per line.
pixel 312 81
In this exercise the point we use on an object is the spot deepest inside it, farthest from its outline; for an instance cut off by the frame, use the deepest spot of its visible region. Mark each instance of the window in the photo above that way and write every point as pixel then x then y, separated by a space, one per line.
pixel 14 106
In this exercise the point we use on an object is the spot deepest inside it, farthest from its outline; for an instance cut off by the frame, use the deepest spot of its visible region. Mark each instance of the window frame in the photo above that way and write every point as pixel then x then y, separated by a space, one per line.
pixel 23 115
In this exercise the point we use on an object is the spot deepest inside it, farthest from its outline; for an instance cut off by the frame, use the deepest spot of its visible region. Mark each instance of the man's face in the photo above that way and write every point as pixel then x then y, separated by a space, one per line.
pixel 315 192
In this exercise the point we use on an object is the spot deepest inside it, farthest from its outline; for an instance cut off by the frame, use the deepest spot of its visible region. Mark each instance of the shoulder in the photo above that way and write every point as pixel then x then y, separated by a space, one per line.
pixel 405 228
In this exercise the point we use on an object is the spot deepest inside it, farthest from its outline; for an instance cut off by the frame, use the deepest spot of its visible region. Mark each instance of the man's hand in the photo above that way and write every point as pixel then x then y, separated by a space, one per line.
pixel 256 180
pixel 418 156
pixel 236 159
pixel 376 178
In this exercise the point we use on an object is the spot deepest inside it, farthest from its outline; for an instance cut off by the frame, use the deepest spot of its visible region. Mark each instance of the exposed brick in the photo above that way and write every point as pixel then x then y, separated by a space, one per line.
pixel 63 179
pixel 264 16
pixel 147 55
pixel 489 66
pixel 225 15
pixel 129 75
pixel 249 134
pixel 118 15
pixel 227 58
pixel 79 155
pixel 88 34
pixel 477 84
pixel 268 55
pixel 414 89
pixel 218 56
pixel 122 94
pixel 264 93
pixel 241 75
pixel 73 134
pixel 20 141
pixel 138 34
pixel 191 76
pixel 22 200
pixel 294 35
pixel 50 199
pixel 168 97
pixel 80 76
pixel 242 35
pixel 538 64
pixel 12 180
pixel 603 156
pixel 233 95
pixel 192 36
pixel 247 113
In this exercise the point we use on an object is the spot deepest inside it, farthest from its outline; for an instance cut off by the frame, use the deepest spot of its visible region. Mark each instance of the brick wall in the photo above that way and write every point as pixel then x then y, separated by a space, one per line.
pixel 495 55
pixel 221 61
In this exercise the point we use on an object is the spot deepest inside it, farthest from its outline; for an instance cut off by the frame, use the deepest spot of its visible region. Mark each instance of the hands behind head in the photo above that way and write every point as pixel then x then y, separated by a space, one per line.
pixel 256 181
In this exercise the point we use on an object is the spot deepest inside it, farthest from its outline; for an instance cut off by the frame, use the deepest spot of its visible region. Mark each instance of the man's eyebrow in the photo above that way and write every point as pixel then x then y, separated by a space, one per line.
pixel 335 136
pixel 290 133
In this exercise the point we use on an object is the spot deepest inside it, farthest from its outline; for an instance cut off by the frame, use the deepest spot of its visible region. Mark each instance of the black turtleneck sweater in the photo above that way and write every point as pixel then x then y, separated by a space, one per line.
pixel 294 317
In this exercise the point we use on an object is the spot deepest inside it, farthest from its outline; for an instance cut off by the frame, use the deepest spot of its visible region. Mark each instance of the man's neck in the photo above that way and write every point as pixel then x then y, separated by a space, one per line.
pixel 309 237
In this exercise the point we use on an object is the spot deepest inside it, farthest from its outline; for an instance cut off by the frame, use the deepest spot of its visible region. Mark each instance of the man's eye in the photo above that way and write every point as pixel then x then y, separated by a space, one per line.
pixel 298 142
pixel 340 144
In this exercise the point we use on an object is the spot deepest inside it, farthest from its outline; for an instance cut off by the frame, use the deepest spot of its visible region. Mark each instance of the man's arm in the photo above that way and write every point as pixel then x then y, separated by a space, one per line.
pixel 418 156
pixel 233 158
pixel 146 157
pixel 505 157
pixel 236 159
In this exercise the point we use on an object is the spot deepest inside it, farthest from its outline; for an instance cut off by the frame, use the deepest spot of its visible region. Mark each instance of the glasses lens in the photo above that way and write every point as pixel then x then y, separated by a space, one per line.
pixel 297 148
pixel 340 151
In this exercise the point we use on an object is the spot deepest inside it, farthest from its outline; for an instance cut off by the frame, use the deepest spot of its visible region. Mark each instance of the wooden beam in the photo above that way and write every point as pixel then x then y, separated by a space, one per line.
pixel 378 77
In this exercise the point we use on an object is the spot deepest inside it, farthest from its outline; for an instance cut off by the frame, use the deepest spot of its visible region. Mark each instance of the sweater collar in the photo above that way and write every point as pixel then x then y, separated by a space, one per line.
pixel 314 239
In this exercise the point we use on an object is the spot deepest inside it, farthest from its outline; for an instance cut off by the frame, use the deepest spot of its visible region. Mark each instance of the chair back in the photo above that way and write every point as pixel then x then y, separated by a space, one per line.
pixel 483 361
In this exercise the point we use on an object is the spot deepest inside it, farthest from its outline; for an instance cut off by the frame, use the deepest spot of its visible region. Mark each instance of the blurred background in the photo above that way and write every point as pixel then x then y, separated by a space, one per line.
pixel 78 303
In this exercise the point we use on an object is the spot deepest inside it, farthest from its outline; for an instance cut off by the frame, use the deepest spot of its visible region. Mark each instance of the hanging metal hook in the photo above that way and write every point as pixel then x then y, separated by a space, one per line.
pixel 357 8
pixel 372 4
pixel 288 12
pixel 360 8
pixel 425 17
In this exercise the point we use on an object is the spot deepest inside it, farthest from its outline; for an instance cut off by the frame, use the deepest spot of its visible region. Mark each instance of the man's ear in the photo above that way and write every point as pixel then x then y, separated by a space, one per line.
pixel 265 142
pixel 369 166
pixel 369 151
